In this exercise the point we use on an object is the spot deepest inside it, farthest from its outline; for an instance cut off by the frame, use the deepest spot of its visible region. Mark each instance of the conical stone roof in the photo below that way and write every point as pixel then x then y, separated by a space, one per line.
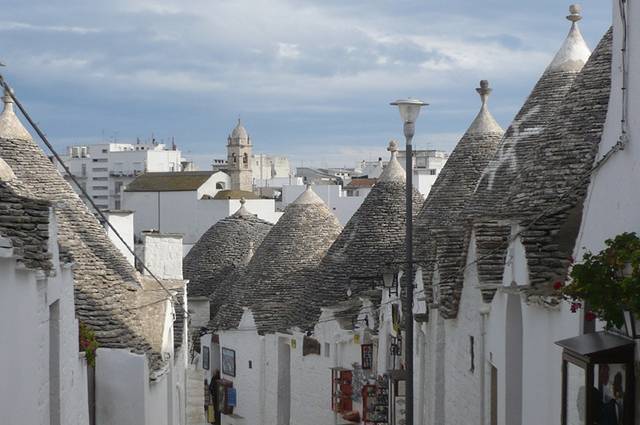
pixel 373 238
pixel 439 229
pixel 486 210
pixel 105 283
pixel 519 142
pixel 275 283
pixel 544 199
pixel 220 251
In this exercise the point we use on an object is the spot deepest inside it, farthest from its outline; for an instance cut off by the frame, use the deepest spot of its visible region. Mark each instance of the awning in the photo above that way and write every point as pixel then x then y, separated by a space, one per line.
pixel 600 347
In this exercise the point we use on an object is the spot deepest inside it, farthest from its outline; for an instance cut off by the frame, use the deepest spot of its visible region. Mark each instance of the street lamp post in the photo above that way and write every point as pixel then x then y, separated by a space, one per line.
pixel 409 111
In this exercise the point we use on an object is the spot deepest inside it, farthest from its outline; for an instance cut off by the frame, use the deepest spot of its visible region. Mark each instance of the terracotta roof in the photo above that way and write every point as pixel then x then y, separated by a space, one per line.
pixel 275 283
pixel 373 237
pixel 439 229
pixel 361 182
pixel 169 181
pixel 105 283
pixel 221 250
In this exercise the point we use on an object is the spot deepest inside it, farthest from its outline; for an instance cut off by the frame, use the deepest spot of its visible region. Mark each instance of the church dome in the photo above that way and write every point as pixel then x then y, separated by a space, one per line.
pixel 239 132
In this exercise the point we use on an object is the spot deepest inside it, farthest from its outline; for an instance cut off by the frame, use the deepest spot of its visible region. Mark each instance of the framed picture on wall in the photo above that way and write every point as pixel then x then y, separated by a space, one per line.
pixel 228 361
pixel 205 357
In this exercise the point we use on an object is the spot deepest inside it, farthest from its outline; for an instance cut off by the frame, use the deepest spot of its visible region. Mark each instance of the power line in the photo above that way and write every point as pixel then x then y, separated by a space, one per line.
pixel 44 139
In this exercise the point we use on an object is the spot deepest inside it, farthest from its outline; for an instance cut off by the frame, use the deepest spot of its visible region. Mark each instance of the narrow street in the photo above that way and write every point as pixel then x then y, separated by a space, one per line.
pixel 195 397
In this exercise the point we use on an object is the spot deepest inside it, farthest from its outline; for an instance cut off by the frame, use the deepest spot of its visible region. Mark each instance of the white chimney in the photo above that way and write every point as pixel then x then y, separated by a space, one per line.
pixel 122 220
pixel 163 254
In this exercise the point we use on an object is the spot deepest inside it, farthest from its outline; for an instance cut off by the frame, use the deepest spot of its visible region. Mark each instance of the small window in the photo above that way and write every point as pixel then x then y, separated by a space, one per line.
pixel 250 365
pixel 220 185
pixel 327 349
pixel 432 171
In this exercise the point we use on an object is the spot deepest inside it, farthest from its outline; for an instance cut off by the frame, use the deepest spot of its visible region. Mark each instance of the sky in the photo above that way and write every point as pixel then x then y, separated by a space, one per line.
pixel 310 79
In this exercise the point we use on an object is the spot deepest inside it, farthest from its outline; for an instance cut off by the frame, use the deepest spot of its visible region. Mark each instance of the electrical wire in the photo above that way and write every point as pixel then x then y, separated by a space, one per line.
pixel 44 139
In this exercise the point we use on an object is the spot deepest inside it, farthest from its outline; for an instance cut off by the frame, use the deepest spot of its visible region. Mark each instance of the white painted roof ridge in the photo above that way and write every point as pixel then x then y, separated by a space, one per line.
pixel 243 212
pixel 574 52
pixel 393 172
pixel 10 126
pixel 308 197
pixel 484 121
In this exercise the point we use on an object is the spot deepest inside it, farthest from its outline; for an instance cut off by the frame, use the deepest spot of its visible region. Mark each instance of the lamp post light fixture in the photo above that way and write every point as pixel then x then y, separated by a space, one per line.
pixel 409 111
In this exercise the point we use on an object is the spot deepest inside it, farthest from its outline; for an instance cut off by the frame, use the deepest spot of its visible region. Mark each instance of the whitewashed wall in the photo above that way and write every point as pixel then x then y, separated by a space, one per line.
pixel 25 300
pixel 174 207
pixel 610 212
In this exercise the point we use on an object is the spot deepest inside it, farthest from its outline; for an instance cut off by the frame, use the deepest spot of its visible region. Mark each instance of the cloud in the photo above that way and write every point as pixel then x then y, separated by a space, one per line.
pixel 23 26
pixel 307 76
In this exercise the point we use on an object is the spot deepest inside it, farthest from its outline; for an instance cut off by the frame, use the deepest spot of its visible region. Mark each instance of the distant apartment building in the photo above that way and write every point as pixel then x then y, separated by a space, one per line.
pixel 105 169
pixel 427 165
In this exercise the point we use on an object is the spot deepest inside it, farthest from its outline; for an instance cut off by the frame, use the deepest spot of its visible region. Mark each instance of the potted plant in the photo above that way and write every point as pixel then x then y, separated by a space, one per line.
pixel 607 282
pixel 88 344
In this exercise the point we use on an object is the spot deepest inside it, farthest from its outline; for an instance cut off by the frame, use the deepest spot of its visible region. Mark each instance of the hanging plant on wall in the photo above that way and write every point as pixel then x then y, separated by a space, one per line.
pixel 607 282
pixel 88 344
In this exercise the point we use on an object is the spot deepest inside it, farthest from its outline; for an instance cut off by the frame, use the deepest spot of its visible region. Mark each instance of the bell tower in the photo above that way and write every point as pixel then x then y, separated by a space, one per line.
pixel 238 159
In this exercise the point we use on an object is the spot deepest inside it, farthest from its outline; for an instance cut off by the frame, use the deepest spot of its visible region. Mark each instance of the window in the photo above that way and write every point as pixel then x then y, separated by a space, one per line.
pixel 598 379
pixel 100 179
pixel 220 185
pixel 327 349
pixel 84 170
pixel 100 197
pixel 118 187
pixel 472 354
pixel 432 171
pixel 99 160
pixel 100 188
pixel 104 151
pixel 99 170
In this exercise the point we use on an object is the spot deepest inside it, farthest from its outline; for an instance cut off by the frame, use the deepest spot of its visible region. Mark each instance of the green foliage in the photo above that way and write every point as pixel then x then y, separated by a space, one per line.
pixel 609 281
pixel 88 344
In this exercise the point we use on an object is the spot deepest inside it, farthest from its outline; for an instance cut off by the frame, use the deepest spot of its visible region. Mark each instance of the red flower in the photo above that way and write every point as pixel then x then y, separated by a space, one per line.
pixel 575 307
pixel 590 316
pixel 557 285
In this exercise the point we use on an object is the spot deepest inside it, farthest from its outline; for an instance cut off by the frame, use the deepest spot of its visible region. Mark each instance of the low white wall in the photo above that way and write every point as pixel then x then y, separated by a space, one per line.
pixel 122 380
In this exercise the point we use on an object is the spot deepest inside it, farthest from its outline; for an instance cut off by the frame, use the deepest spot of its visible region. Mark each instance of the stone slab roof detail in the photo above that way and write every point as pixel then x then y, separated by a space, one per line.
pixel 554 182
pixel 25 221
pixel 105 283
pixel 169 181
pixel 220 251
pixel 440 234
pixel 373 238
pixel 275 285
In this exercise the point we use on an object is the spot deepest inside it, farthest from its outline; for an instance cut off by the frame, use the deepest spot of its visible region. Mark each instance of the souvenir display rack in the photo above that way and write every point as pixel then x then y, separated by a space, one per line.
pixel 341 390
pixel 375 404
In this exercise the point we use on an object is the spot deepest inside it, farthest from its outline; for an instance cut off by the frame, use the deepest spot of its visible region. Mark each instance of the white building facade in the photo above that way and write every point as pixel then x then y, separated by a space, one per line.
pixel 105 169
